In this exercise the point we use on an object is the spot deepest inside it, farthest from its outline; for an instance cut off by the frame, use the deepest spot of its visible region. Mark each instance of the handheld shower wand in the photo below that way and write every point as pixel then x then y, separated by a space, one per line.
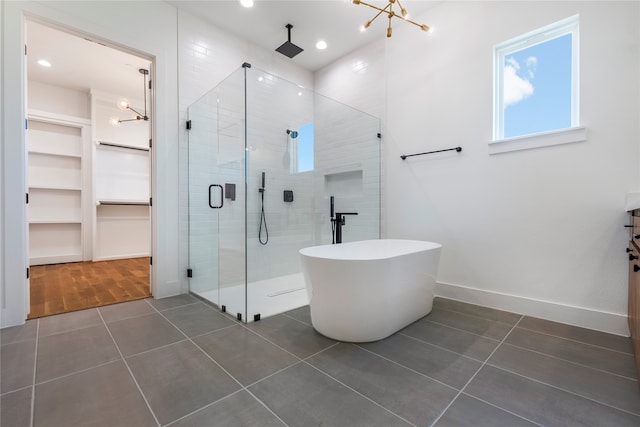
pixel 333 221
pixel 263 218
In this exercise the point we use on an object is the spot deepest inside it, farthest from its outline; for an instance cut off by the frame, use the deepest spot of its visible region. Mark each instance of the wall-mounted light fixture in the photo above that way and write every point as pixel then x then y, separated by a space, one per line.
pixel 123 104
pixel 388 9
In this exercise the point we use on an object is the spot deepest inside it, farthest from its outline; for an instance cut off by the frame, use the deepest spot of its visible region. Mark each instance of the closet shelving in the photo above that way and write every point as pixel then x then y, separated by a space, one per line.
pixel 56 166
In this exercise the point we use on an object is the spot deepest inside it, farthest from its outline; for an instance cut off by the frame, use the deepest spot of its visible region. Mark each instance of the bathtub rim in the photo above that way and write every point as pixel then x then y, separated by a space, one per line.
pixel 338 252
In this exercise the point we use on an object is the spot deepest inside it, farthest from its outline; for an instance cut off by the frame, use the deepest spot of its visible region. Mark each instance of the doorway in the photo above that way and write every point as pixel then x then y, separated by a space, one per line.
pixel 89 163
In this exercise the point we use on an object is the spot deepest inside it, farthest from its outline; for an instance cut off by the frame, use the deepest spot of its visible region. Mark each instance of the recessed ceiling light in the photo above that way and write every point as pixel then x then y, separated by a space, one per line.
pixel 321 44
pixel 44 63
pixel 246 3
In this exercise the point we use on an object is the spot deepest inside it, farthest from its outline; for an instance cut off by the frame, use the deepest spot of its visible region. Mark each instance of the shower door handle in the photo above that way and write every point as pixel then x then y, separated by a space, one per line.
pixel 221 196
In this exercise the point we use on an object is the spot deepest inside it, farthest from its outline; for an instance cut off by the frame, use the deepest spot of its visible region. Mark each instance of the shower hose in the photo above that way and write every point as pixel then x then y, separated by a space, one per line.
pixel 263 220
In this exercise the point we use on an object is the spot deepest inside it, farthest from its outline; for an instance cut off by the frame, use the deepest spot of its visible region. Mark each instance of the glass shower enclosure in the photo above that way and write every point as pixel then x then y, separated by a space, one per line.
pixel 265 158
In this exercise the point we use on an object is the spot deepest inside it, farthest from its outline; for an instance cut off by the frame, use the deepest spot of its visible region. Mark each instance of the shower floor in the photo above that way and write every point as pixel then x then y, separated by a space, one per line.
pixel 265 297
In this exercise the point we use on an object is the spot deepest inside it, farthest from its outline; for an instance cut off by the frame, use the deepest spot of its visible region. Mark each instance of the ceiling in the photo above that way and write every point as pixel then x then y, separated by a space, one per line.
pixel 81 64
pixel 337 22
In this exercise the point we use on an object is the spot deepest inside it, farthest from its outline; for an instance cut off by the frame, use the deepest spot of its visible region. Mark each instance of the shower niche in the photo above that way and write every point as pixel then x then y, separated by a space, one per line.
pixel 285 151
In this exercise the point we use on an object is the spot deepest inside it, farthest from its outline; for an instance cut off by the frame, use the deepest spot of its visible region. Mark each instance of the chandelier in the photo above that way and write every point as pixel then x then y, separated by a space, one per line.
pixel 388 9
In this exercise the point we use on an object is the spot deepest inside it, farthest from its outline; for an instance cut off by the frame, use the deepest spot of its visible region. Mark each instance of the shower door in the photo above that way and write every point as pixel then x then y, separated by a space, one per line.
pixel 217 266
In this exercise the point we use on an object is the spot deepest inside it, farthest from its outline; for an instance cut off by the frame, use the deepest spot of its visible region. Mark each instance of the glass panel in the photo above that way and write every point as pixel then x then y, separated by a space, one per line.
pixel 216 196
pixel 347 167
pixel 278 226
pixel 301 141
pixel 284 152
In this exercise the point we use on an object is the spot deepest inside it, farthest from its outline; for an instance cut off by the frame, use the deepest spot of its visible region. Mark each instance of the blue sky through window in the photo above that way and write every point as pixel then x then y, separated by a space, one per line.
pixel 305 148
pixel 537 88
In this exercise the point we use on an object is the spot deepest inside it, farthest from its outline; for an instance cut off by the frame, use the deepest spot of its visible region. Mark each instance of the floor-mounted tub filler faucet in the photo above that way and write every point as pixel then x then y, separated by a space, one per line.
pixel 337 221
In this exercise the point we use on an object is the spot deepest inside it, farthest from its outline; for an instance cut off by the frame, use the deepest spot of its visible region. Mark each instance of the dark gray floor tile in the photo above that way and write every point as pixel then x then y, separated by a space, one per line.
pixel 614 390
pixel 477 310
pixel 238 410
pixel 476 325
pixel 467 411
pixel 303 314
pixel 15 334
pixel 104 396
pixel 462 342
pixel 414 397
pixel 69 321
pixel 295 337
pixel 143 333
pixel 179 379
pixel 73 351
pixel 443 365
pixel 244 354
pixel 302 396
pixel 584 354
pixel 197 319
pixel 172 302
pixel 542 403
pixel 17 365
pixel 588 336
pixel 15 408
pixel 125 310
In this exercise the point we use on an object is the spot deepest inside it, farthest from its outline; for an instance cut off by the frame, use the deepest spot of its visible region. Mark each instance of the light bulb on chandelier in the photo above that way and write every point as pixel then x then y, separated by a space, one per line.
pixel 124 104
pixel 388 9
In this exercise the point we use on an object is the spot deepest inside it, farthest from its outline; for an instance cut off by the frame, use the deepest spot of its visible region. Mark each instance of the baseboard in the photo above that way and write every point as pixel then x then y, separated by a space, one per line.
pixel 121 256
pixel 578 316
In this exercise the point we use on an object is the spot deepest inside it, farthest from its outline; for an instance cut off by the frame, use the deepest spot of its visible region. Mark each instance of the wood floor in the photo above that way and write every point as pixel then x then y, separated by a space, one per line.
pixel 59 288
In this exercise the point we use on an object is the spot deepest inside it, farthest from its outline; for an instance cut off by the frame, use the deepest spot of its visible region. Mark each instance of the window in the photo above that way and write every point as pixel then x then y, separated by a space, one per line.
pixel 302 150
pixel 536 82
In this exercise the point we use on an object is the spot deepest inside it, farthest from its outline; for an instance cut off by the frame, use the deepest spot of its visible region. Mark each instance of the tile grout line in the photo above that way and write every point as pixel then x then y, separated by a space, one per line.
pixel 77 372
pixel 480 317
pixel 242 387
pixel 264 405
pixel 187 338
pixel 357 392
pixel 408 368
pixel 498 407
pixel 476 373
pixel 35 368
pixel 571 362
pixel 297 320
pixel 246 388
pixel 575 341
pixel 75 328
pixel 459 329
pixel 448 350
pixel 129 370
pixel 564 390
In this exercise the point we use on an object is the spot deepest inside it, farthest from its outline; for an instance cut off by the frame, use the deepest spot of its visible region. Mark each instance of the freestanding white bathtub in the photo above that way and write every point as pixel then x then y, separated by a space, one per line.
pixel 367 290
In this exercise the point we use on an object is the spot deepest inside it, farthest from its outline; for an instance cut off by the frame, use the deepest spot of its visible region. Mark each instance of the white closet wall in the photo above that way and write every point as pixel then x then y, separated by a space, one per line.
pixel 121 182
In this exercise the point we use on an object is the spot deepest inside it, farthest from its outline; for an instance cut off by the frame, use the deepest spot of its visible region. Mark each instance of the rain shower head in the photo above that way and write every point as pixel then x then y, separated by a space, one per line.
pixel 287 48
pixel 292 133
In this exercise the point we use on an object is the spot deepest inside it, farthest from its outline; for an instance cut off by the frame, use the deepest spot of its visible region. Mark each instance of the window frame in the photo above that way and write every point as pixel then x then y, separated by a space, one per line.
pixel 541 35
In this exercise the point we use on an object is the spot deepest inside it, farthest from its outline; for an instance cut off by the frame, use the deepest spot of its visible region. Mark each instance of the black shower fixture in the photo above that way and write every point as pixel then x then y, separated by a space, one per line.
pixel 287 48
pixel 292 133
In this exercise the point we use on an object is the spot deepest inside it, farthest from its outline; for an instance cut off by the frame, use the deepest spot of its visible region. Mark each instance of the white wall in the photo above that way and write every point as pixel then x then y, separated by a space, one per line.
pixel 59 100
pixel 538 231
